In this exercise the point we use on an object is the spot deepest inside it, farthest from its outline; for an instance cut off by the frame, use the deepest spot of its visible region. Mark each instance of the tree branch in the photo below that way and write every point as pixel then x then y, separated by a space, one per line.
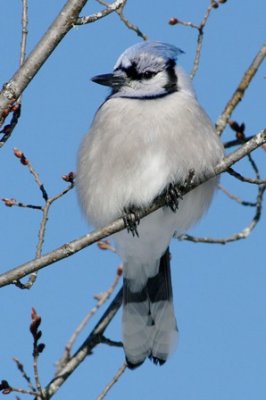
pixel 101 300
pixel 24 33
pixel 200 28
pixel 113 381
pixel 108 10
pixel 129 25
pixel 86 348
pixel 60 27
pixel 236 198
pixel 237 236
pixel 76 245
pixel 240 90
pixel 254 181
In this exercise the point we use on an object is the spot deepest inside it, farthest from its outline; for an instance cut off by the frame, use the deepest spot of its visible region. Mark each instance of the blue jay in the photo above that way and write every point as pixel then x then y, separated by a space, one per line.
pixel 148 135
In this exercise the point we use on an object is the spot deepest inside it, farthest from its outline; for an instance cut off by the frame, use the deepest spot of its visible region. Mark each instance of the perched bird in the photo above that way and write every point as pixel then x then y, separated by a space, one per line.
pixel 147 136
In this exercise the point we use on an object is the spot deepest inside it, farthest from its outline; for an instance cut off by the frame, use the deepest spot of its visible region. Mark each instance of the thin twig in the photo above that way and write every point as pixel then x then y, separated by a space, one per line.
pixel 38 181
pixel 242 178
pixel 37 376
pixel 37 349
pixel 236 198
pixel 60 27
pixel 24 32
pixel 15 203
pixel 129 24
pixel 62 193
pixel 70 177
pixel 8 128
pixel 43 224
pixel 46 209
pixel 76 245
pixel 113 381
pixel 20 367
pixel 236 142
pixel 15 106
pixel 25 391
pixel 254 166
pixel 95 17
pixel 111 343
pixel 42 229
pixel 200 39
pixel 200 29
pixel 85 349
pixel 41 234
pixel 237 236
pixel 240 90
pixel 102 299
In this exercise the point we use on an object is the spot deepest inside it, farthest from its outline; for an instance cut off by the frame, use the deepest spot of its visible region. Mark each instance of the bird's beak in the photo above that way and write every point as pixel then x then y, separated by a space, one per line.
pixel 111 80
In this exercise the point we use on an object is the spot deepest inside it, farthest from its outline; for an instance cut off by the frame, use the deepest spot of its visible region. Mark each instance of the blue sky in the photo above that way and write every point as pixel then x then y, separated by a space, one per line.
pixel 219 291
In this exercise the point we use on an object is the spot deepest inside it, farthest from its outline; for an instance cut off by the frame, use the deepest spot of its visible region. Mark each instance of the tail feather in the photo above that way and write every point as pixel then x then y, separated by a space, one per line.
pixel 162 311
pixel 149 325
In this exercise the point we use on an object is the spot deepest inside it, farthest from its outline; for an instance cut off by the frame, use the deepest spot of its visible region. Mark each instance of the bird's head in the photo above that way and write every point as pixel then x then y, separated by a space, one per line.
pixel 146 70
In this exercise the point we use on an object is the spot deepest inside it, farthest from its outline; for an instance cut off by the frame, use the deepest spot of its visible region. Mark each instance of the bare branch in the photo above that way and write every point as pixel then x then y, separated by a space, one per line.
pixel 101 300
pixel 240 90
pixel 129 24
pixel 41 235
pixel 26 162
pixel 111 343
pixel 236 198
pixel 95 17
pixel 22 391
pixel 113 381
pixel 78 244
pixel 200 28
pixel 237 236
pixel 60 27
pixel 20 367
pixel 236 142
pixel 86 348
pixel 13 202
pixel 37 348
pixel 45 210
pixel 242 178
pixel 70 177
pixel 24 33
pixel 15 108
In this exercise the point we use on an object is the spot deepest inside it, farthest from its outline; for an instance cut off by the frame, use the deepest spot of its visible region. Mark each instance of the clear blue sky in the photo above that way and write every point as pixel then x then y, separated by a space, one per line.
pixel 219 291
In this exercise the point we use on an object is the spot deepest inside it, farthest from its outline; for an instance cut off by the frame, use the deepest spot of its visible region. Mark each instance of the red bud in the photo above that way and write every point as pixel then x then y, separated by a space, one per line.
pixel 173 21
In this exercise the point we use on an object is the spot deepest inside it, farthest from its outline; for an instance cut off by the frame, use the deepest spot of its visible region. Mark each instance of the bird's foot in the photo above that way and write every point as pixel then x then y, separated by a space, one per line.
pixel 173 193
pixel 131 220
pixel 172 196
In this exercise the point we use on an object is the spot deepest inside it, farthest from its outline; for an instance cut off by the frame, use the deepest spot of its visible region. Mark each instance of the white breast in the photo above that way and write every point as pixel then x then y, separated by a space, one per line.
pixel 136 147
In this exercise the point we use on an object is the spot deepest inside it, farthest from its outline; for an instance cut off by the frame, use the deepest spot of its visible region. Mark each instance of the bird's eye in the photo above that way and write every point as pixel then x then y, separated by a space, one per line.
pixel 148 74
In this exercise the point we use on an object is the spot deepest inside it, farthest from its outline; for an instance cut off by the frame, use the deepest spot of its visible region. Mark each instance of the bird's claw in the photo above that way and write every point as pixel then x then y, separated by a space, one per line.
pixel 131 220
pixel 173 193
pixel 172 196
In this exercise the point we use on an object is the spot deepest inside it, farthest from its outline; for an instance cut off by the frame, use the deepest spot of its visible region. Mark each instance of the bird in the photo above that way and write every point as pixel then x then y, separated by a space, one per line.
pixel 147 137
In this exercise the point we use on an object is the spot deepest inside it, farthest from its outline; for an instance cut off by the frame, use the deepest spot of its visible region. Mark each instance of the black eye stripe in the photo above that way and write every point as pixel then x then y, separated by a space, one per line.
pixel 171 85
pixel 133 73
pixel 148 74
